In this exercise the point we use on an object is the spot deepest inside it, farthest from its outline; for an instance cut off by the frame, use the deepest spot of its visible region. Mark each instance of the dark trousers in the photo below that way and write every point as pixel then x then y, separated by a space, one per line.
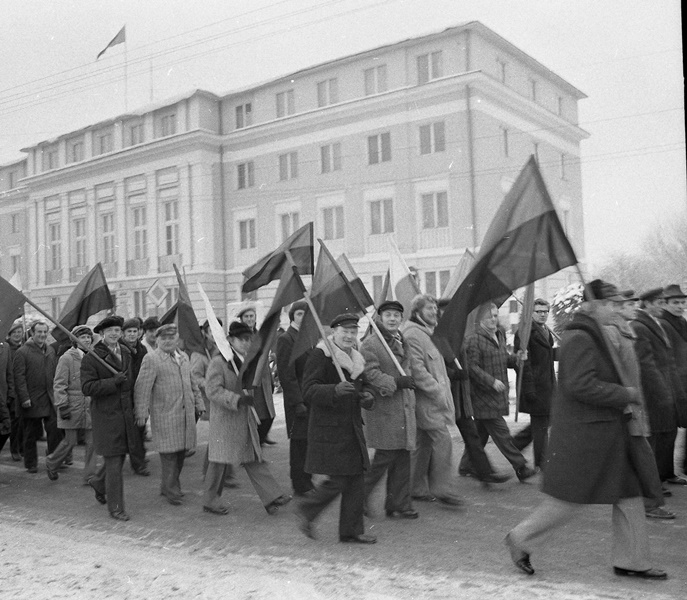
pixel 478 459
pixel 537 434
pixel 33 429
pixel 264 428
pixel 644 463
pixel 499 432
pixel 663 445
pixel 172 463
pixel 352 490
pixel 300 480
pixel 16 434
pixel 396 463
pixel 108 480
pixel 135 436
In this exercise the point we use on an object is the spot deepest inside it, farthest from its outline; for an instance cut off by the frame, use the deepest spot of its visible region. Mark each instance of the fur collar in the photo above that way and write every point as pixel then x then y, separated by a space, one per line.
pixel 354 364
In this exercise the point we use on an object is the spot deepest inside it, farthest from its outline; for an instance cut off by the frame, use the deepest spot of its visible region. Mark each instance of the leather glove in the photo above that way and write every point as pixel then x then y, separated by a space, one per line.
pixel 405 382
pixel 65 412
pixel 246 400
pixel 301 410
pixel 120 379
pixel 366 400
pixel 344 388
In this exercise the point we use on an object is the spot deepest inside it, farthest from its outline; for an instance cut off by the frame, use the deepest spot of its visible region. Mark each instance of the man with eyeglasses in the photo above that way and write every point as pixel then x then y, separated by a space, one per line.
pixel 538 383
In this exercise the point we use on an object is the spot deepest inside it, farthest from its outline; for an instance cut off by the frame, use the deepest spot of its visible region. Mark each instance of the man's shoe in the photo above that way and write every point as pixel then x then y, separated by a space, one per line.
pixel 52 474
pixel 282 500
pixel 216 510
pixel 450 500
pixel 519 557
pixel 676 480
pixel 269 442
pixel 659 513
pixel 409 513
pixel 524 473
pixel 307 528
pixel 666 492
pixel 495 478
pixel 143 472
pixel 648 574
pixel 425 498
pixel 16 457
pixel 98 496
pixel 32 470
pixel 119 515
pixel 358 539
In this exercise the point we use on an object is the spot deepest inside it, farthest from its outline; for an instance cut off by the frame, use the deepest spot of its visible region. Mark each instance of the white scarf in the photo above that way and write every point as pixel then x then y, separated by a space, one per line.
pixel 353 363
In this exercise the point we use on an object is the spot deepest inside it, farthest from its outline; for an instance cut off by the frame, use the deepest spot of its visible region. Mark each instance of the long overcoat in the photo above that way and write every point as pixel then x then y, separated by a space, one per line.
pixel 67 391
pixel 434 408
pixel 676 330
pixel 112 406
pixel 165 389
pixel 233 437
pixel 538 373
pixel 659 375
pixel 336 441
pixel 34 372
pixel 296 425
pixel 6 381
pixel 488 361
pixel 588 453
pixel 391 425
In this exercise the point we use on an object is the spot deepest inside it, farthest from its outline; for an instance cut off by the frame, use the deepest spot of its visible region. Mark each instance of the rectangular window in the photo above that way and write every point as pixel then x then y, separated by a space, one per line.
pixel 140 228
pixel 327 92
pixel 171 227
pixel 286 103
pixel 430 66
pixel 505 145
pixel 15 223
pixel 432 138
pixel 288 166
pixel 330 157
pixel 49 159
pixel 12 176
pixel 168 125
pixel 502 71
pixel 135 134
pixel 564 173
pixel 108 235
pixel 16 263
pixel 289 223
pixel 379 148
pixel 375 80
pixel 434 210
pixel 103 143
pixel 244 115
pixel 381 216
pixel 74 152
pixel 141 303
pixel 436 282
pixel 55 246
pixel 79 233
pixel 247 234
pixel 333 217
pixel 246 175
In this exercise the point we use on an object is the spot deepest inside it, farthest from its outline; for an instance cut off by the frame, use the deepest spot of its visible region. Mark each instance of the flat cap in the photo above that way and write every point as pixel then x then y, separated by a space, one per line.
pixel 168 329
pixel 111 321
pixel 237 329
pixel 344 320
pixel 390 305
pixel 651 295
pixel 673 291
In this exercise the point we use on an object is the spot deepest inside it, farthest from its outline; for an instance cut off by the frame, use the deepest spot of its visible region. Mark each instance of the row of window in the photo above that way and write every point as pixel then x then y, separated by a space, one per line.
pixel 429 66
pixel 432 139
pixel 433 207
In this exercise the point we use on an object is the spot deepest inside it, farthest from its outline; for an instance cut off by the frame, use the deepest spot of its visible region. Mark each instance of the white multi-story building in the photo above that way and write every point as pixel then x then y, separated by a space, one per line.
pixel 419 140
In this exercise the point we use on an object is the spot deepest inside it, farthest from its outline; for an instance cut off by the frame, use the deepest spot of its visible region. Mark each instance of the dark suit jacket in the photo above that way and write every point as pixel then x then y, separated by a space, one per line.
pixel 539 376
pixel 296 426
pixel 676 329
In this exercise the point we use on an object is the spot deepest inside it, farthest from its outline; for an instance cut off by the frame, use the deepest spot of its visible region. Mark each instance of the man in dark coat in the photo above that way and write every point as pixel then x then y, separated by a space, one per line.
pixel 336 442
pixel 675 326
pixel 112 414
pixel 660 382
pixel 589 460
pixel 538 383
pixel 6 393
pixel 15 336
pixel 295 409
pixel 34 371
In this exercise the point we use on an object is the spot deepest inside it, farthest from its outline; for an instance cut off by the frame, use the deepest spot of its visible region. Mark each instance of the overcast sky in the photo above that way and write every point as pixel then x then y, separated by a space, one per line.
pixel 626 55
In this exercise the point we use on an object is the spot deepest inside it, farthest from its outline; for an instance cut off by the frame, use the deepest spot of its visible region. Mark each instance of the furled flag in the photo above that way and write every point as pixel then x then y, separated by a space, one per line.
pixel 11 304
pixel 459 274
pixel 269 268
pixel 217 332
pixel 120 38
pixel 89 297
pixel 403 286
pixel 331 295
pixel 183 314
pixel 524 242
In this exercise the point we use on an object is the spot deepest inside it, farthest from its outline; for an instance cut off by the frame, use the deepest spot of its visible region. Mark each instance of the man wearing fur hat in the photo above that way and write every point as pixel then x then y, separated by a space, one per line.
pixel 336 442
pixel 295 409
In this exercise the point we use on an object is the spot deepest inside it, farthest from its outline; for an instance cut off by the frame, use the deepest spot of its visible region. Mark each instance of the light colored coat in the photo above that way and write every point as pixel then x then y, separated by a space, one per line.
pixel 233 437
pixel 391 425
pixel 434 407
pixel 167 390
pixel 67 391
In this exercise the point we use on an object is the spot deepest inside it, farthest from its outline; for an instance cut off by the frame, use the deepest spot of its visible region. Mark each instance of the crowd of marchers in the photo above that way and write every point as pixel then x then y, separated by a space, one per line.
pixel 603 433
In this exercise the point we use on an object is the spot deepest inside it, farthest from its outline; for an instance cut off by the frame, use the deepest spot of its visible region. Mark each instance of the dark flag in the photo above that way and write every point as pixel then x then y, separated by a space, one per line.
pixel 355 282
pixel 525 242
pixel 120 38
pixel 331 295
pixel 11 304
pixel 183 314
pixel 270 267
pixel 89 297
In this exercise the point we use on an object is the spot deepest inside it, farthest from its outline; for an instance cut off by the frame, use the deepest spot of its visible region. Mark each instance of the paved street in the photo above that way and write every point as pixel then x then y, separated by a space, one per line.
pixel 56 541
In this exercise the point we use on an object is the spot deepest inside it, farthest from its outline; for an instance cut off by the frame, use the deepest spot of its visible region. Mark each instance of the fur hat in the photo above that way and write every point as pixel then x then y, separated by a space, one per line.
pixel 238 329
pixel 134 323
pixel 111 321
pixel 298 305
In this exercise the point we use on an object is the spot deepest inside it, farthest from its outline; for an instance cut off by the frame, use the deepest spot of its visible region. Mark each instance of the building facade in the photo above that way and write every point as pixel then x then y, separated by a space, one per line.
pixel 418 140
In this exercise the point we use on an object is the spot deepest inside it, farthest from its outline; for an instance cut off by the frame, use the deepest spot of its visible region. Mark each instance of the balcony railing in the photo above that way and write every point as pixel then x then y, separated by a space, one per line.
pixel 139 266
pixel 166 262
pixel 77 273
pixel 53 277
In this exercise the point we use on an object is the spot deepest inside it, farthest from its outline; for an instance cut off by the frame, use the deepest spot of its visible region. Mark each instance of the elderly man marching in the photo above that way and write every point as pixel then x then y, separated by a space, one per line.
pixel 233 437
pixel 166 389
pixel 390 427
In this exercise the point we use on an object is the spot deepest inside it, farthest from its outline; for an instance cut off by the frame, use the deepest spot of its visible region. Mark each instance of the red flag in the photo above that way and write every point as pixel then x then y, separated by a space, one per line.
pixel 183 314
pixel 270 267
pixel 358 287
pixel 524 242
pixel 11 304
pixel 120 38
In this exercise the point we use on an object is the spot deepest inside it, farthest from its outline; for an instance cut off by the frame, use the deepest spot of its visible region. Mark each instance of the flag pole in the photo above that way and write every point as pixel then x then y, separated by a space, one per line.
pixel 525 328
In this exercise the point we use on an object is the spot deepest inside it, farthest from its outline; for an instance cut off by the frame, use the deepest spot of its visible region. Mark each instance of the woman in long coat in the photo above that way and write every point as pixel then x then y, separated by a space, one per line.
pixel 73 408
pixel 589 460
